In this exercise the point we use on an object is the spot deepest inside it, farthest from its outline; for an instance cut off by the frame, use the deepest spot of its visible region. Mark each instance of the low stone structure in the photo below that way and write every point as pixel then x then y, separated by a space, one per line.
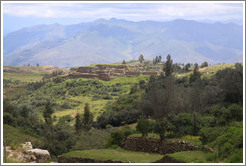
pixel 107 72
pixel 151 145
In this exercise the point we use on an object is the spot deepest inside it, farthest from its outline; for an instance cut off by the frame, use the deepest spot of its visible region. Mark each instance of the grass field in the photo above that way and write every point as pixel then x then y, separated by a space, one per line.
pixel 22 77
pixel 15 136
pixel 29 74
pixel 190 156
pixel 115 154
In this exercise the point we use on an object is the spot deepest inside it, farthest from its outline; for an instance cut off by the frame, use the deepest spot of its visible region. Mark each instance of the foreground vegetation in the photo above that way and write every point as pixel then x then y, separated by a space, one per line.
pixel 202 106
pixel 115 155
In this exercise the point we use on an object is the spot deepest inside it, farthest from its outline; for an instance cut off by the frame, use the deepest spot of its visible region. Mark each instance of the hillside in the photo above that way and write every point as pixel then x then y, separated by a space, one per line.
pixel 71 93
pixel 99 41
pixel 51 103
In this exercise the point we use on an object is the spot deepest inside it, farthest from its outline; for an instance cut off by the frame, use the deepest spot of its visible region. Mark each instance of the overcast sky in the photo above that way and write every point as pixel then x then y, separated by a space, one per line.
pixel 19 15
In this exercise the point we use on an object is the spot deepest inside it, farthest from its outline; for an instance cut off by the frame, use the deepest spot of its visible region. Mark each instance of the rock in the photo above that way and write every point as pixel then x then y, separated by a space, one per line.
pixel 27 154
pixel 40 155
pixel 27 146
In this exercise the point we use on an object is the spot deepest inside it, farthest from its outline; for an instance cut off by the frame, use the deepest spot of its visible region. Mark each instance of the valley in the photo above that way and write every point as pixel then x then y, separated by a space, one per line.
pixel 84 111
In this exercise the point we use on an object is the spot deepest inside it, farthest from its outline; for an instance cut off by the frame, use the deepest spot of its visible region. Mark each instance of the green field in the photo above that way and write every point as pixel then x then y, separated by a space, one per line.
pixel 22 77
pixel 15 136
pixel 115 154
pixel 191 156
pixel 29 74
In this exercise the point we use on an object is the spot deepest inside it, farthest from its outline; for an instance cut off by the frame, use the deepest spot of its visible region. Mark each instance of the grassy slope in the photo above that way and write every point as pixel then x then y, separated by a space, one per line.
pixel 29 74
pixel 16 136
pixel 115 154
pixel 98 105
pixel 190 156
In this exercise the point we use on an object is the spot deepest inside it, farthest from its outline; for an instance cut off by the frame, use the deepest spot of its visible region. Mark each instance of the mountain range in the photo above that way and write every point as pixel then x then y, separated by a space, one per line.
pixel 115 40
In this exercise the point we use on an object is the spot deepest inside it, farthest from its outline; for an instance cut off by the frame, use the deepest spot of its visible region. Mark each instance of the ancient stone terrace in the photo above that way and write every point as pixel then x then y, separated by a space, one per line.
pixel 108 72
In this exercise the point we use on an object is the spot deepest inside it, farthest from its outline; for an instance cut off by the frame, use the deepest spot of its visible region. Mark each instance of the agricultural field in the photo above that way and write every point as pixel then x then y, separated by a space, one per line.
pixel 115 155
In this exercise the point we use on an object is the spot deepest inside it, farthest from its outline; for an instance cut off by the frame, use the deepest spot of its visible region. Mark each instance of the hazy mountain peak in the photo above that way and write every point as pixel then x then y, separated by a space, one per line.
pixel 114 40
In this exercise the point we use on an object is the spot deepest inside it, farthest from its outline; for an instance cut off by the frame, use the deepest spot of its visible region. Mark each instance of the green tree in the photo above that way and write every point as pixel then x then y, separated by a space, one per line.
pixel 141 58
pixel 196 74
pixel 161 127
pixel 204 64
pixel 37 64
pixel 143 126
pixel 48 111
pixel 87 118
pixel 168 66
pixel 187 67
pixel 78 123
pixel 124 62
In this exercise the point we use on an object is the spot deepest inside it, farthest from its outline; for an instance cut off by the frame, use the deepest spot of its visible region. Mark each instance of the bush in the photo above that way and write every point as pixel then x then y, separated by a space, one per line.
pixel 230 144
pixel 8 119
pixel 143 126
pixel 116 138
pixel 93 139
pixel 209 134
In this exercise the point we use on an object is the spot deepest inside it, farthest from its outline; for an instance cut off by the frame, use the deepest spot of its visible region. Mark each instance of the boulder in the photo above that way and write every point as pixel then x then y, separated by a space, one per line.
pixel 27 154
pixel 39 155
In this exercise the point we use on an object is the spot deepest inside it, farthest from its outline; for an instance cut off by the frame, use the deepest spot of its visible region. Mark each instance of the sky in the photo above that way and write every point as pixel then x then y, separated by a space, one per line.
pixel 20 15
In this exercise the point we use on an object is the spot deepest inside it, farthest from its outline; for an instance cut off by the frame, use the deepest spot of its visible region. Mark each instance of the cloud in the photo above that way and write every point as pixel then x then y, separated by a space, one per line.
pixel 131 11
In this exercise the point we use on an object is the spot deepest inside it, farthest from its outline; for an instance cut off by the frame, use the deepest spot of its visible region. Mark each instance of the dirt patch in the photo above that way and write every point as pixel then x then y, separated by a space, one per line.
pixel 203 69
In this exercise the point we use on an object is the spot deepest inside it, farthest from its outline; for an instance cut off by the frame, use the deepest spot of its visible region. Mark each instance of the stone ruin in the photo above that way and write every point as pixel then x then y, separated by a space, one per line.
pixel 108 72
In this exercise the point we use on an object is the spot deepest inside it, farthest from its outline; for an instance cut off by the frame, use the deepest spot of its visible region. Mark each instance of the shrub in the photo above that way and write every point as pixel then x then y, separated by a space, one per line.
pixel 143 126
pixel 209 134
pixel 8 119
pixel 230 144
pixel 116 138
pixel 93 139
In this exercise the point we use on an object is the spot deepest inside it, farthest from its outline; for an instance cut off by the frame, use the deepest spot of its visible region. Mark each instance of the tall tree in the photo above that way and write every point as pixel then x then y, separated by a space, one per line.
pixel 168 66
pixel 48 111
pixel 78 123
pixel 87 118
pixel 196 74
pixel 141 58
pixel 187 67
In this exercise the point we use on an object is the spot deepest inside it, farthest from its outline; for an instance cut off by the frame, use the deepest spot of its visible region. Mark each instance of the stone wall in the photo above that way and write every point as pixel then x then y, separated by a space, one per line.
pixel 150 145
pixel 107 72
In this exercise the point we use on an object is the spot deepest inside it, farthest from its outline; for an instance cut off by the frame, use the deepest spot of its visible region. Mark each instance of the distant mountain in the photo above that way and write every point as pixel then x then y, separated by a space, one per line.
pixel 109 41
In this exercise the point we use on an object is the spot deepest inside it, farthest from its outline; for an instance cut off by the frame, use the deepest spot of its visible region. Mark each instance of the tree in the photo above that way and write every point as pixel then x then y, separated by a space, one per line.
pixel 161 127
pixel 204 64
pixel 87 118
pixel 124 62
pixel 168 68
pixel 159 58
pixel 187 67
pixel 28 64
pixel 143 126
pixel 196 74
pixel 37 64
pixel 141 58
pixel 78 123
pixel 48 111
